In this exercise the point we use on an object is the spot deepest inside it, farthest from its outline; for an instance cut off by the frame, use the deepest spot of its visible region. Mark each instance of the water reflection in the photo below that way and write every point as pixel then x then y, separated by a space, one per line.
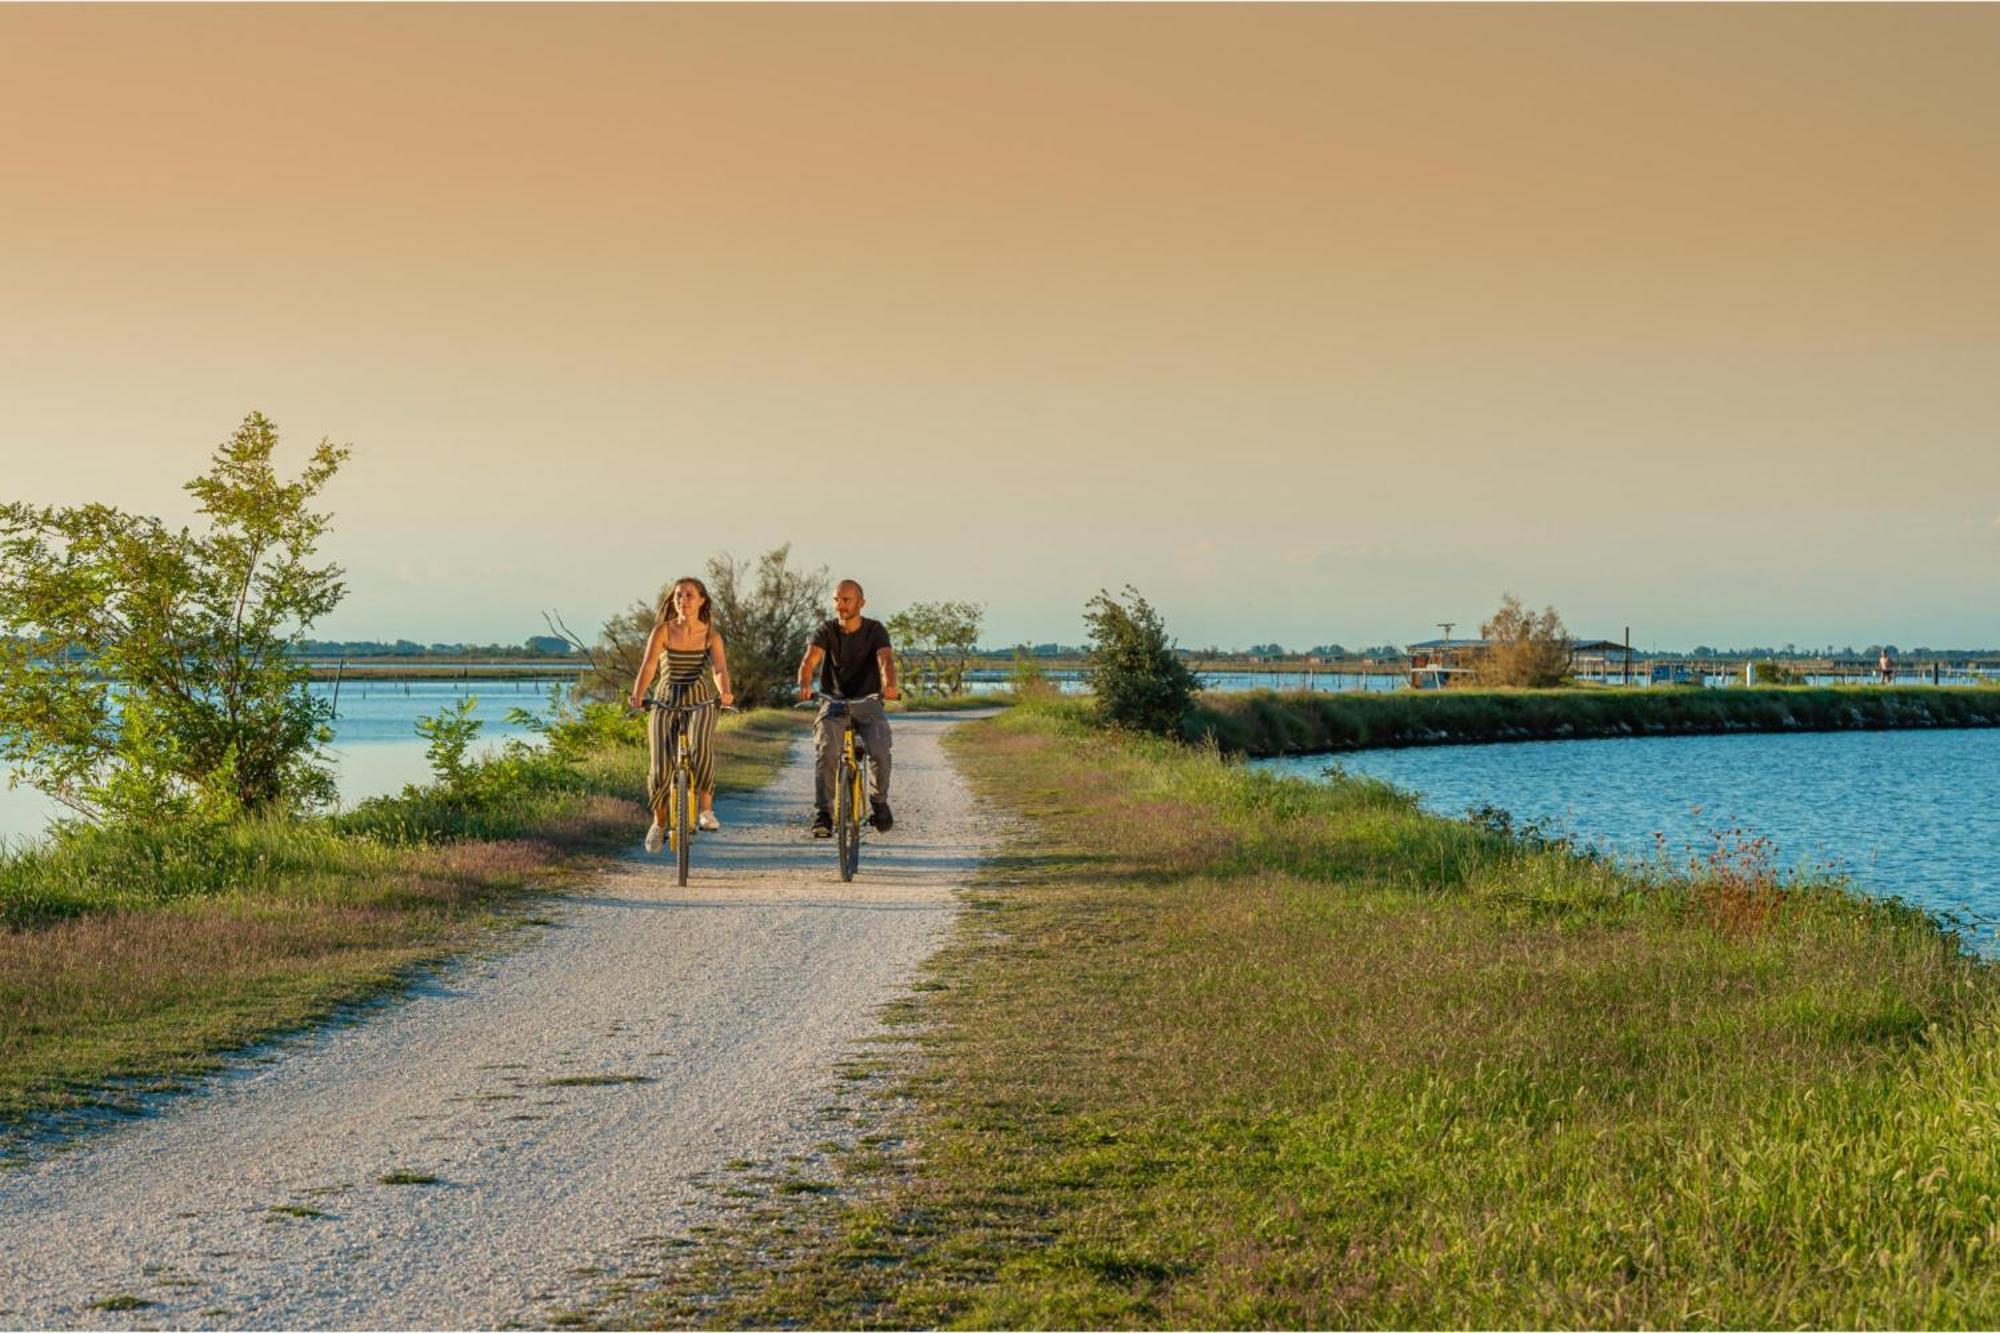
pixel 375 747
pixel 1908 813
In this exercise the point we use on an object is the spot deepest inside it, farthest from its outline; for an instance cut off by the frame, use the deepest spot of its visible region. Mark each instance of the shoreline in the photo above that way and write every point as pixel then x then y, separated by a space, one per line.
pixel 1266 723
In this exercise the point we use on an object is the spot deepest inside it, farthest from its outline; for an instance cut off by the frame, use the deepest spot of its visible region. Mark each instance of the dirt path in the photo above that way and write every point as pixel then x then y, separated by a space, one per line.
pixel 711 1019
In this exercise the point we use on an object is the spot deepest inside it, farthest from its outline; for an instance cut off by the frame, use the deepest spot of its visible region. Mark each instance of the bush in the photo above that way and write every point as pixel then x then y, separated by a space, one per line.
pixel 1524 648
pixel 1029 679
pixel 1767 672
pixel 1140 681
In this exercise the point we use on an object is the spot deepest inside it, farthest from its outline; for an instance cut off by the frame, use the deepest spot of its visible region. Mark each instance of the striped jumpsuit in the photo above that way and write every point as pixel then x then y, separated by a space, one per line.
pixel 683 678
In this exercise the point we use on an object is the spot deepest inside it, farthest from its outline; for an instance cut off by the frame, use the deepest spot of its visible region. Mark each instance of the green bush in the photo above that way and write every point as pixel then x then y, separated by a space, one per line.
pixel 1139 680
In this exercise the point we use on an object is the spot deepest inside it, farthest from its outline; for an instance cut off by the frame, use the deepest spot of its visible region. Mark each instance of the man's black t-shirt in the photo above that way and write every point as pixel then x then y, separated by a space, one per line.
pixel 850 668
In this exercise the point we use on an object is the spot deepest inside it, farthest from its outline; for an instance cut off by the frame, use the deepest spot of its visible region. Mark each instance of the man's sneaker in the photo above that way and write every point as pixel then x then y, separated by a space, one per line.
pixel 708 823
pixel 822 825
pixel 656 837
pixel 881 818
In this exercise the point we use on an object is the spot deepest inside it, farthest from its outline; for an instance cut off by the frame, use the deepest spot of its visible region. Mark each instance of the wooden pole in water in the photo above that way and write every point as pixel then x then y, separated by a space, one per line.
pixel 338 671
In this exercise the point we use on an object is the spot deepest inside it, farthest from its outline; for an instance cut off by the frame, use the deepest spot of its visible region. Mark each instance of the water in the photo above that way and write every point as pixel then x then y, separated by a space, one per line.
pixel 375 750
pixel 1904 813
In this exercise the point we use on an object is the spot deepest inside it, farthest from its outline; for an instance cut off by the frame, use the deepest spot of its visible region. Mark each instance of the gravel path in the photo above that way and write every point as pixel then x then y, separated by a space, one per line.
pixel 720 1010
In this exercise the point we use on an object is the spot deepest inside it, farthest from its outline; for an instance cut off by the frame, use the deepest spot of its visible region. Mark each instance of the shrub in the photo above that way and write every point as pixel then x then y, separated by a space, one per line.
pixel 1140 681
pixel 1767 672
pixel 1524 648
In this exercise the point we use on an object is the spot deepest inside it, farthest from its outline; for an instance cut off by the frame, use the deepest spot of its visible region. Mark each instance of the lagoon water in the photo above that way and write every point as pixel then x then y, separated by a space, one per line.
pixel 1906 813
pixel 376 749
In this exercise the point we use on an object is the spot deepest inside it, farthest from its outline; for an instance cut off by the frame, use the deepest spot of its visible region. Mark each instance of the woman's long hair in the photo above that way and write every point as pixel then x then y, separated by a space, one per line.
pixel 665 610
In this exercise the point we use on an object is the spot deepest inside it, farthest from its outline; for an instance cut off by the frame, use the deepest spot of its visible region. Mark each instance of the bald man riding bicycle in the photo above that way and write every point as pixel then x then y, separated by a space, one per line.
pixel 851 655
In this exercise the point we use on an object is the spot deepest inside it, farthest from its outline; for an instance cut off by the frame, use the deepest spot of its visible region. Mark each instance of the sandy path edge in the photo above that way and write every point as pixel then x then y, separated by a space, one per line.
pixel 572 1099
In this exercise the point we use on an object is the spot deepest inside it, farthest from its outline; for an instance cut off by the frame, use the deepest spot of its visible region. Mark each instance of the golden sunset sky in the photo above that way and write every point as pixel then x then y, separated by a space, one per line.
pixel 1314 323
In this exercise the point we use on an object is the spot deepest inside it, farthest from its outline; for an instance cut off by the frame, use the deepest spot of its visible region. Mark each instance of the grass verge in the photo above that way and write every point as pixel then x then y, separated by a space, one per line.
pixel 130 961
pixel 1214 1048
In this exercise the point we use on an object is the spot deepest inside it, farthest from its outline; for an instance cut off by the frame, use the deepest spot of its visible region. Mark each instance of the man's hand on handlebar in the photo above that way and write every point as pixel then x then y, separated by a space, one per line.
pixel 892 691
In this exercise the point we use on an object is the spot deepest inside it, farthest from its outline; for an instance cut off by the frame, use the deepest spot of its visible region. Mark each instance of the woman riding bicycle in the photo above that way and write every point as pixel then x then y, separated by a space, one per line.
pixel 696 672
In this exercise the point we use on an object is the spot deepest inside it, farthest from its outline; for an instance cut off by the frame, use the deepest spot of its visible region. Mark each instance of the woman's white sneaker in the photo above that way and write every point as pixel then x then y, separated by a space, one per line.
pixel 656 837
pixel 708 823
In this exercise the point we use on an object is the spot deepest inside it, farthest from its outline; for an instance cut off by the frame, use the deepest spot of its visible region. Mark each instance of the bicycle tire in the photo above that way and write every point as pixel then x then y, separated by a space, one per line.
pixel 684 817
pixel 846 825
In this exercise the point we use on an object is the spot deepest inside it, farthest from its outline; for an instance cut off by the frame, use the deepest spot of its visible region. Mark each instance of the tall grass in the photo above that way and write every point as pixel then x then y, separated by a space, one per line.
pixel 1303 722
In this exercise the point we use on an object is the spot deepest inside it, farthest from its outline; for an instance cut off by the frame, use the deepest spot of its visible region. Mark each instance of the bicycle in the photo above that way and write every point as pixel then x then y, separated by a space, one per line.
pixel 681 820
pixel 849 788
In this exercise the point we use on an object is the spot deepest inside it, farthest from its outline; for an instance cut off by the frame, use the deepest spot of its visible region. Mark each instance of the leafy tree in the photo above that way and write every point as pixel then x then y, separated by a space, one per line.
pixel 767 620
pixel 1524 648
pixel 933 642
pixel 151 674
pixel 1139 679
pixel 765 611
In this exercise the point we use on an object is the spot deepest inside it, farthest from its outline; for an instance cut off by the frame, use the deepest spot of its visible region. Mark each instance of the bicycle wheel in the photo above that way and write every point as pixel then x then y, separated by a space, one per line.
pixel 846 824
pixel 684 822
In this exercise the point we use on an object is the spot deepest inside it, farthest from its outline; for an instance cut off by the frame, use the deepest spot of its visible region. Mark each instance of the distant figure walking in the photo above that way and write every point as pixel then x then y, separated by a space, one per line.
pixel 1886 667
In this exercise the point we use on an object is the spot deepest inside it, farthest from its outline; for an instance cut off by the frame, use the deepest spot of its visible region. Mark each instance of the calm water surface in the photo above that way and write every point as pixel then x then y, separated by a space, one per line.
pixel 376 749
pixel 1915 814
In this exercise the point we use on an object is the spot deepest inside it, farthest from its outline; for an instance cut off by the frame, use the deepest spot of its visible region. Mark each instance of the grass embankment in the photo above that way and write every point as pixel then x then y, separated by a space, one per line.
pixel 129 960
pixel 1302 722
pixel 1215 1048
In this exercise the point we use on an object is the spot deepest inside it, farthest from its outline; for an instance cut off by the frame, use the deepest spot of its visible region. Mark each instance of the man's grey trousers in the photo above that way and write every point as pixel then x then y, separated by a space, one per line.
pixel 871 722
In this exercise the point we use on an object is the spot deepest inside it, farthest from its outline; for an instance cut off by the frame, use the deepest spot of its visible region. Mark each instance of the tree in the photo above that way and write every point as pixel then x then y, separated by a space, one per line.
pixel 765 611
pixel 1139 679
pixel 766 622
pixel 933 641
pixel 148 674
pixel 1523 647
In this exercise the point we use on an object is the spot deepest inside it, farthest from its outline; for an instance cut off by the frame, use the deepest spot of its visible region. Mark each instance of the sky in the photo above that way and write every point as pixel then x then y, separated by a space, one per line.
pixel 1313 323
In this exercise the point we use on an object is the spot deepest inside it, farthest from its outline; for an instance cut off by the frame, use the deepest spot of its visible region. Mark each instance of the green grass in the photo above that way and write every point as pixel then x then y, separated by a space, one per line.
pixel 1304 722
pixel 407 1178
pixel 1213 1048
pixel 132 960
pixel 954 703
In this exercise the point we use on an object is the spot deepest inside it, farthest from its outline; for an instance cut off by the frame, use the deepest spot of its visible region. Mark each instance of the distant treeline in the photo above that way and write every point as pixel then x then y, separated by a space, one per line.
pixel 537 645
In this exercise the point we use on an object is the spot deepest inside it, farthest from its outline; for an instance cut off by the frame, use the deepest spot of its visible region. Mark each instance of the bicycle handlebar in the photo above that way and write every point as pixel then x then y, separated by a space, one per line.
pixel 821 696
pixel 650 704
